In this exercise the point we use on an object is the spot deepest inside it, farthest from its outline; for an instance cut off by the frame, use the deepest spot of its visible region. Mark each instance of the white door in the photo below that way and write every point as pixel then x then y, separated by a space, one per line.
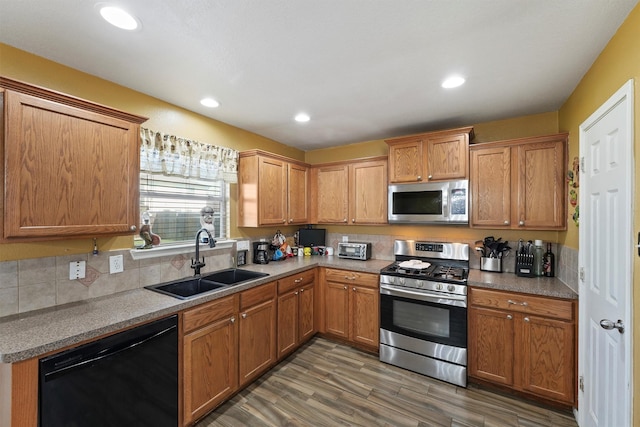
pixel 605 263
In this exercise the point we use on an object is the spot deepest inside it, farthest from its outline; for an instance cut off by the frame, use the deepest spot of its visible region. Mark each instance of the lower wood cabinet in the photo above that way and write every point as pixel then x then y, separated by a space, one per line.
pixel 295 311
pixel 523 342
pixel 257 332
pixel 352 307
pixel 210 355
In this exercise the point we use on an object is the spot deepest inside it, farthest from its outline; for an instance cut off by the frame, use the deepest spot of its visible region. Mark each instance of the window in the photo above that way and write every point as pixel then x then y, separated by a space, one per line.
pixel 174 203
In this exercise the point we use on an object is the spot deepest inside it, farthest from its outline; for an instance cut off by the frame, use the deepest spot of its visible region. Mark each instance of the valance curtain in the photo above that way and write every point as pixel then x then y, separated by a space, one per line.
pixel 172 155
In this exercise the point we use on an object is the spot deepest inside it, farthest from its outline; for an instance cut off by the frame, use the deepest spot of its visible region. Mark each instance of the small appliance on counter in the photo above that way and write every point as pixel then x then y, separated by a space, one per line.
pixel 354 250
pixel 261 253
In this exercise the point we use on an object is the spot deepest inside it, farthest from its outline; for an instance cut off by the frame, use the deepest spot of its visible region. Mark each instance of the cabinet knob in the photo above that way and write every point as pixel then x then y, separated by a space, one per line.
pixel 506 222
pixel 354 289
pixel 509 316
pixel 301 290
pixel 419 178
pixel 511 302
pixel 345 220
pixel 353 220
pixel 244 315
pixel 284 221
pixel 345 288
pixel 526 319
pixel 232 320
pixel 133 228
pixel 521 223
pixel 430 177
pixel 295 293
pixel 525 304
pixel 290 219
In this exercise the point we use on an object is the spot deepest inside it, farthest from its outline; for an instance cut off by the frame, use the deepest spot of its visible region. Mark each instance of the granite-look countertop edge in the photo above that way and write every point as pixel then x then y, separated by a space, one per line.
pixel 34 334
pixel 544 286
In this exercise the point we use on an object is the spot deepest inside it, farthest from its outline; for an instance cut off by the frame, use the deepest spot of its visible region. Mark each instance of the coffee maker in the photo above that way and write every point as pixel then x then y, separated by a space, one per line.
pixel 261 252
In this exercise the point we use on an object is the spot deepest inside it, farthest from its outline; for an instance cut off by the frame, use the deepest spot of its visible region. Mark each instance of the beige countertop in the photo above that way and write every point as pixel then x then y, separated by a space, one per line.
pixel 33 334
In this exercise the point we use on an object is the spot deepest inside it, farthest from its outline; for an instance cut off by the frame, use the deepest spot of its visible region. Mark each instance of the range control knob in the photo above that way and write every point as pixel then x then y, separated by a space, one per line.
pixel 439 286
pixel 451 288
pixel 419 284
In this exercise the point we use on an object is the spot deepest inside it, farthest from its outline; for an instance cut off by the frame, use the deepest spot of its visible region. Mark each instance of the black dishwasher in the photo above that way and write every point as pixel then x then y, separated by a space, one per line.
pixel 127 379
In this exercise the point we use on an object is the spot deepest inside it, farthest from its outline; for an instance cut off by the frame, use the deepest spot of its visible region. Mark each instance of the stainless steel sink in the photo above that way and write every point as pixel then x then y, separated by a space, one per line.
pixel 186 288
pixel 233 276
pixel 196 286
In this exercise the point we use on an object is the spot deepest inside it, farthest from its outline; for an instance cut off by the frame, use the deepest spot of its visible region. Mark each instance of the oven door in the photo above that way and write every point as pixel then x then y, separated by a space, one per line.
pixel 424 315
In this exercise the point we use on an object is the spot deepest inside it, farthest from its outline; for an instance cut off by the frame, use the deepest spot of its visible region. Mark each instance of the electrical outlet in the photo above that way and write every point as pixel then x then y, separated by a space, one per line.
pixel 77 270
pixel 116 264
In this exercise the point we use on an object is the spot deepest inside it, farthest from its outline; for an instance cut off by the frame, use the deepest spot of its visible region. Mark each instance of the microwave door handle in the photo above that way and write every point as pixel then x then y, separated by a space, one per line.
pixel 445 202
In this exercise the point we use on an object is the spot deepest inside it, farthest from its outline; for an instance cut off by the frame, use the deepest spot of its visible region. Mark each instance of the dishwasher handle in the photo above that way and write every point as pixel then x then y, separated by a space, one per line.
pixel 77 358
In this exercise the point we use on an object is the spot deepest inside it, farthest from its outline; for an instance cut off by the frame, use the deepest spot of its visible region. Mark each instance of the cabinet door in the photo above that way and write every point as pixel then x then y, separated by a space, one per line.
pixel 540 184
pixel 298 185
pixel 491 187
pixel 69 171
pixel 447 157
pixel 337 309
pixel 209 367
pixel 405 162
pixel 287 322
pixel 368 193
pixel 306 324
pixel 332 194
pixel 272 191
pixel 491 341
pixel 365 312
pixel 546 356
pixel 257 340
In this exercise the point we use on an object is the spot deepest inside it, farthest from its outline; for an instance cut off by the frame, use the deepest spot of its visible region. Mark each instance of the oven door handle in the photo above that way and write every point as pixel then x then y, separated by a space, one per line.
pixel 434 297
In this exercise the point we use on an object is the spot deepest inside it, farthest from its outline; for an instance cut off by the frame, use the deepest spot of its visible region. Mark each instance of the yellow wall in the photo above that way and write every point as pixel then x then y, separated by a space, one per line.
pixel 616 64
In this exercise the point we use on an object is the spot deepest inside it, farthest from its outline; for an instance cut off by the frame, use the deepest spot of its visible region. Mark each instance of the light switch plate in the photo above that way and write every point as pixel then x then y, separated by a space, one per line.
pixel 77 270
pixel 116 264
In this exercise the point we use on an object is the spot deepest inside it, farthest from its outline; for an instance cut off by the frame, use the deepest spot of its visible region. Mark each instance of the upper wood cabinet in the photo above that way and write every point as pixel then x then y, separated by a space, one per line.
pixel 434 156
pixel 71 167
pixel 351 192
pixel 519 183
pixel 272 190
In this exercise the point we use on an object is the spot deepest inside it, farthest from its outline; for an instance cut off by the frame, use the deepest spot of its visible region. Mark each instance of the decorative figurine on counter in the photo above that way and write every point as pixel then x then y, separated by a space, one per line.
pixel 150 239
pixel 206 222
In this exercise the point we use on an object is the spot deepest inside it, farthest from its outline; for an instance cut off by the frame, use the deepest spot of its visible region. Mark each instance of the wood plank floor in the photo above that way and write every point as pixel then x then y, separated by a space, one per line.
pixel 329 384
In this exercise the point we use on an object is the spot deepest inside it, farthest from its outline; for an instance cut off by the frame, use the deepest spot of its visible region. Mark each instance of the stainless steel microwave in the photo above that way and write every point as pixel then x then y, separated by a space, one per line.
pixel 445 202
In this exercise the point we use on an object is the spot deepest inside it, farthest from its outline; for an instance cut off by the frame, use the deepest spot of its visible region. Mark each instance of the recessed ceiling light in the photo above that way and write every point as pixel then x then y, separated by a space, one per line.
pixel 118 17
pixel 453 81
pixel 209 102
pixel 302 117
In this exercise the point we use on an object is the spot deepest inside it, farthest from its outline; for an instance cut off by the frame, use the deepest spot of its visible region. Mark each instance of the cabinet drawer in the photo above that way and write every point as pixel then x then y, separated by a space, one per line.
pixel 523 303
pixel 257 295
pixel 210 312
pixel 368 280
pixel 296 281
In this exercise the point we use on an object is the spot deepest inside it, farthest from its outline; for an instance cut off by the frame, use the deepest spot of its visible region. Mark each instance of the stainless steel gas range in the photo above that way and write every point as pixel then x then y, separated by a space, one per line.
pixel 423 309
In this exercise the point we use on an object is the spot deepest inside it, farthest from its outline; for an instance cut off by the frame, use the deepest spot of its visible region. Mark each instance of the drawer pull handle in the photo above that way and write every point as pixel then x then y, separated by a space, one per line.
pixel 511 302
pixel 524 304
pixel 298 280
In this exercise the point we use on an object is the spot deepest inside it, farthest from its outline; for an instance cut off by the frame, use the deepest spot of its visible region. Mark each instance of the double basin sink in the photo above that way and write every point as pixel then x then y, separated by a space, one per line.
pixel 196 286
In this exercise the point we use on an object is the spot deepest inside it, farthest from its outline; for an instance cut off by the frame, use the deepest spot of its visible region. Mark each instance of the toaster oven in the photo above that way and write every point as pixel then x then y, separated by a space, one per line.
pixel 354 250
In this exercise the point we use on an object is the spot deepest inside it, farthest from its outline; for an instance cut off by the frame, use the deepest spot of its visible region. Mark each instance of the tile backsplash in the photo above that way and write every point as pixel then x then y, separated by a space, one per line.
pixel 33 284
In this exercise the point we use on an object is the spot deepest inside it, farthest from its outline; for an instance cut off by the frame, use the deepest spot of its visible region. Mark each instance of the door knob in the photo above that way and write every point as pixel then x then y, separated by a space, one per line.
pixel 609 324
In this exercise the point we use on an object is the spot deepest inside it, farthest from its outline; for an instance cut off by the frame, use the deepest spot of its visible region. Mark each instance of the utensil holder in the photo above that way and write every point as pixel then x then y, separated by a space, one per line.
pixel 491 264
pixel 524 265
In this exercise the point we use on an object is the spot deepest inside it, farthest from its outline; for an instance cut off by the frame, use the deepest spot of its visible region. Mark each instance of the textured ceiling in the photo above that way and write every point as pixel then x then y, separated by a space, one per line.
pixel 362 69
